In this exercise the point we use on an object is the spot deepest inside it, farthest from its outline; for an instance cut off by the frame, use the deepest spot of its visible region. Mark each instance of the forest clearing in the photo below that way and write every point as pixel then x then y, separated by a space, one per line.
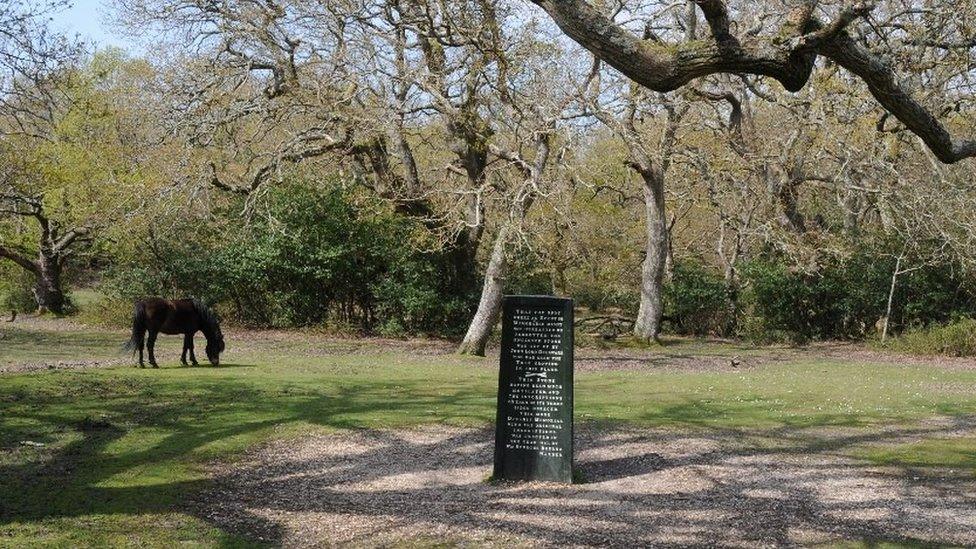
pixel 368 437
pixel 465 273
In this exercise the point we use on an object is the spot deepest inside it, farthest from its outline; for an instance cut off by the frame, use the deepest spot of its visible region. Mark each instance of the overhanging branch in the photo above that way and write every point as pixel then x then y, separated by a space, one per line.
pixel 664 68
pixel 70 237
pixel 19 258
pixel 885 88
pixel 717 16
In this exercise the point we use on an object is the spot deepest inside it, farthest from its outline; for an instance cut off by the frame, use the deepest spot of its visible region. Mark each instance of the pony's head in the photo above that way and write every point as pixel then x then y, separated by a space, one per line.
pixel 215 346
pixel 211 329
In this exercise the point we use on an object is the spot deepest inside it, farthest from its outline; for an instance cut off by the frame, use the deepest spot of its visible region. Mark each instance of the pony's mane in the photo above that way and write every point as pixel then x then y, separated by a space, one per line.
pixel 206 313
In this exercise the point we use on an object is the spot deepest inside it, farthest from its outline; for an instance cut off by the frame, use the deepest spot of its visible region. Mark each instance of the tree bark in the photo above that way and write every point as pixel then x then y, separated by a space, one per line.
pixel 48 291
pixel 647 328
pixel 49 294
pixel 489 307
pixel 653 168
pixel 891 299
pixel 791 217
pixel 492 291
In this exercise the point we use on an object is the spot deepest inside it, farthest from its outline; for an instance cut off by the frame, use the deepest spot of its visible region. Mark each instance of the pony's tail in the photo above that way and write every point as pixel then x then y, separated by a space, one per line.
pixel 138 329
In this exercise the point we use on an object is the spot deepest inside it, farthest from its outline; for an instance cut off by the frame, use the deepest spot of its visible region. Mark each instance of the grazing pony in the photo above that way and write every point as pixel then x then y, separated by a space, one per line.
pixel 175 316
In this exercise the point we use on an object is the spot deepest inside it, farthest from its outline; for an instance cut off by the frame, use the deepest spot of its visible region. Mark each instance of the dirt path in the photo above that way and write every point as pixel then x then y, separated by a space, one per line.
pixel 651 487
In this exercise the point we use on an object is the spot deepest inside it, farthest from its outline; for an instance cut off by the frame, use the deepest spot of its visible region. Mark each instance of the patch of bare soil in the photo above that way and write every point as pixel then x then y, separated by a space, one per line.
pixel 861 353
pixel 24 367
pixel 315 343
pixel 646 487
pixel 47 323
pixel 727 357
pixel 593 360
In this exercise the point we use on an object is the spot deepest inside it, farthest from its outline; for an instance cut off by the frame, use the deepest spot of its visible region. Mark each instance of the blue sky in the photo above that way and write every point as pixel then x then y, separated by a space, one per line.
pixel 87 18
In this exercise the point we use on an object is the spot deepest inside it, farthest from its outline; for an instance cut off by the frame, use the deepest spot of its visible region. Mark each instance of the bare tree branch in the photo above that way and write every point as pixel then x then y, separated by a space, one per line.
pixel 19 258
pixel 665 68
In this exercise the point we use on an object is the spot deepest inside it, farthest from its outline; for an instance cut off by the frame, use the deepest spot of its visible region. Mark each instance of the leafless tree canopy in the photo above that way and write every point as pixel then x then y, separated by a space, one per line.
pixel 784 41
pixel 720 128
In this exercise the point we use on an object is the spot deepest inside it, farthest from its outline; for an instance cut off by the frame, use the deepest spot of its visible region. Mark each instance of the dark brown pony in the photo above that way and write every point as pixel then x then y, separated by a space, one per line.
pixel 175 316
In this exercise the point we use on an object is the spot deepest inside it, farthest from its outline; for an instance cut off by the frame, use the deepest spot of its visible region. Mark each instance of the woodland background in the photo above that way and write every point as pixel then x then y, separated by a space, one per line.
pixel 366 166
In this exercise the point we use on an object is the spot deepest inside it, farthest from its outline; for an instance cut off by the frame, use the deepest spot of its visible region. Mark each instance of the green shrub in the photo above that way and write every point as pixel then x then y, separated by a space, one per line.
pixel 846 299
pixel 842 300
pixel 698 301
pixel 954 339
pixel 16 289
pixel 318 255
pixel 793 306
pixel 526 276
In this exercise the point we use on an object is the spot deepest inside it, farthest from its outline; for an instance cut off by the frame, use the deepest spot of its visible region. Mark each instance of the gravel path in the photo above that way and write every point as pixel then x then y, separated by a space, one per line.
pixel 648 487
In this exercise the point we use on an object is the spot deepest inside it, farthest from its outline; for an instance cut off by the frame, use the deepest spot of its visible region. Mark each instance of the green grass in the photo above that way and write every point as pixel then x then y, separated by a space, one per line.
pixel 953 453
pixel 122 448
pixel 19 346
pixel 801 394
pixel 84 298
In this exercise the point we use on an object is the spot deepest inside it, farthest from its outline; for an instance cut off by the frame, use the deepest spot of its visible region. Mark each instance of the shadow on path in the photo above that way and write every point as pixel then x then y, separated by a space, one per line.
pixel 643 487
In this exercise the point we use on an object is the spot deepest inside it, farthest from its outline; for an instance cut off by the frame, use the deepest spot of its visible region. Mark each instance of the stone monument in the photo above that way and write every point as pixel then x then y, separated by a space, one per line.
pixel 534 423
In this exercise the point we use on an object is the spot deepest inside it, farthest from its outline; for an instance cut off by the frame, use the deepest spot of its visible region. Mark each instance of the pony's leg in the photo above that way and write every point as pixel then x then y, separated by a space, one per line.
pixel 187 341
pixel 193 357
pixel 152 348
pixel 141 343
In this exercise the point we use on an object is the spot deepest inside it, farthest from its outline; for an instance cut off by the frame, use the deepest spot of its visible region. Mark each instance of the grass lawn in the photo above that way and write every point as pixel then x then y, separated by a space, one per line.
pixel 21 345
pixel 106 456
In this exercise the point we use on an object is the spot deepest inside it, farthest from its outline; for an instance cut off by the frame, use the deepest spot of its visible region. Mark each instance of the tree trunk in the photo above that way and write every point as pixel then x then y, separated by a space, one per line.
pixel 463 252
pixel 792 218
pixel 647 328
pixel 891 299
pixel 476 340
pixel 48 291
pixel 560 286
pixel 669 254
pixel 492 291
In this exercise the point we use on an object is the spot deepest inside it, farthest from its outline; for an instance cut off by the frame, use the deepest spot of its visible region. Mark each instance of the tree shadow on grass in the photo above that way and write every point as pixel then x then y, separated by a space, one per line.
pixel 134 450
pixel 140 453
